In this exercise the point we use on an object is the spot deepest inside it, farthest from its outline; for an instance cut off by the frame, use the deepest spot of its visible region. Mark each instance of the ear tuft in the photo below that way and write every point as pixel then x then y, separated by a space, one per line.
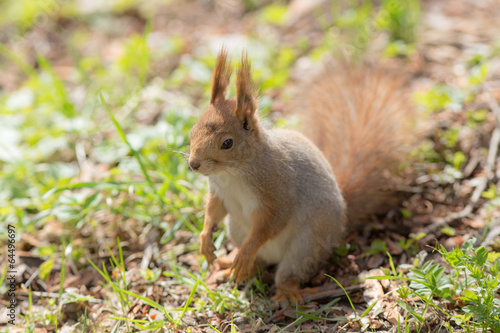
pixel 220 78
pixel 245 94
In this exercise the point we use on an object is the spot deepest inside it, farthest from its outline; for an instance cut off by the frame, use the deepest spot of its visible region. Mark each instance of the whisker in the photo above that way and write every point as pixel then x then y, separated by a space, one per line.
pixel 181 152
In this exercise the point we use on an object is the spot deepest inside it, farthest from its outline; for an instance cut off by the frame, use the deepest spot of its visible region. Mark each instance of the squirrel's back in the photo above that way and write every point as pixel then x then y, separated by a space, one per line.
pixel 360 118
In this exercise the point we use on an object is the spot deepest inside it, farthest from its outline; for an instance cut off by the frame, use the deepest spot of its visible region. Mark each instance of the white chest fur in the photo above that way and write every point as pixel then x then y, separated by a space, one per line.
pixel 240 202
pixel 239 199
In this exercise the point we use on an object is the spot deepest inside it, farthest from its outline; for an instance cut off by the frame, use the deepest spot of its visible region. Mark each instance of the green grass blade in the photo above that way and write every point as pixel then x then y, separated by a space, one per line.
pixel 214 329
pixel 391 262
pixel 123 186
pixel 188 301
pixel 16 59
pixel 153 325
pixel 84 320
pixel 4 274
pixel 315 313
pixel 116 327
pixel 152 304
pixel 369 309
pixel 102 273
pixel 139 160
pixel 410 310
pixel 124 138
pixel 313 317
pixel 349 298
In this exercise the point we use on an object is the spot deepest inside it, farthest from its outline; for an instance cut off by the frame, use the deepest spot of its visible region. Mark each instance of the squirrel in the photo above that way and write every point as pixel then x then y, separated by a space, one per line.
pixel 290 198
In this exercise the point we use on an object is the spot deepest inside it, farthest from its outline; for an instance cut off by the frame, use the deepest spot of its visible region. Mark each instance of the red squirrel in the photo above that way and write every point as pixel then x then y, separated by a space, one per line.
pixel 289 198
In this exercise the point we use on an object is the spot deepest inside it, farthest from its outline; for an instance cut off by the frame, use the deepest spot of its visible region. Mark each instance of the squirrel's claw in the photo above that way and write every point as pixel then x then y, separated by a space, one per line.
pixel 207 248
pixel 242 266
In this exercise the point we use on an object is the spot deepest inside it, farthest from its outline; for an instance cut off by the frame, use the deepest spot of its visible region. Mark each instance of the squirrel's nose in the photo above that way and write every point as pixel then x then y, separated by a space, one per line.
pixel 195 165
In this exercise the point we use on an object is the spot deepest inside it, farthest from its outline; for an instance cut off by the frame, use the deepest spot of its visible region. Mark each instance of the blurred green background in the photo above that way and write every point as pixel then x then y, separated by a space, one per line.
pixel 151 61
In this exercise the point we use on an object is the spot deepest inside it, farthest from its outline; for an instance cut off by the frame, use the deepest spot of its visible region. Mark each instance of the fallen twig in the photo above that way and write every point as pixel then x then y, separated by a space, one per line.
pixel 325 294
pixel 44 294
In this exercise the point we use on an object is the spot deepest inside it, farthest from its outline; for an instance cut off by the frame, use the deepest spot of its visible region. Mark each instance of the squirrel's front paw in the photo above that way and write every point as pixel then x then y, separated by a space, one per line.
pixel 207 247
pixel 243 265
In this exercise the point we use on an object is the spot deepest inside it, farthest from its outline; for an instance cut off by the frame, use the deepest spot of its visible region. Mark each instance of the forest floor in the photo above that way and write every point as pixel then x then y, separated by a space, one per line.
pixel 97 101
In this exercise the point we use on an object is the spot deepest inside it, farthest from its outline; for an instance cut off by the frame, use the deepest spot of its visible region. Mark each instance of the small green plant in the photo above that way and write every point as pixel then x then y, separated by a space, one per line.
pixel 274 14
pixel 440 96
pixel 400 18
pixel 479 70
pixel 476 282
pixel 476 117
pixel 491 193
pixel 376 247
pixel 348 27
pixel 471 285
pixel 408 245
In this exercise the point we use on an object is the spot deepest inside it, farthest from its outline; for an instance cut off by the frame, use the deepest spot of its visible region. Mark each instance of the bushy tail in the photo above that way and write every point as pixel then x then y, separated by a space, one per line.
pixel 361 118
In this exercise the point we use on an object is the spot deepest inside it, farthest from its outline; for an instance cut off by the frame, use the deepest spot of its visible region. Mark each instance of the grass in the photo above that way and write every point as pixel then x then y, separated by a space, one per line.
pixel 92 161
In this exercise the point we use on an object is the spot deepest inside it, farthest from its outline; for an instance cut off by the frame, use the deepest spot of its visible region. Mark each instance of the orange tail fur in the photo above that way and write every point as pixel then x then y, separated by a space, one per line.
pixel 360 117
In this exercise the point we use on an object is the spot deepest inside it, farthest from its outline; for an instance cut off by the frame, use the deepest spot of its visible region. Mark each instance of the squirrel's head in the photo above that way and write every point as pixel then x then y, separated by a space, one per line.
pixel 227 132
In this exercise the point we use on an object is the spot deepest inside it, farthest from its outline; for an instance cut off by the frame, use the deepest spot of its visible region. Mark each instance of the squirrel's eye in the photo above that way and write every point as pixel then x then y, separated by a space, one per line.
pixel 227 144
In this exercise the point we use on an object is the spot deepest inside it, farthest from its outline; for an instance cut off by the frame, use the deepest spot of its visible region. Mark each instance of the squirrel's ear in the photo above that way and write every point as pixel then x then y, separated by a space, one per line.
pixel 220 78
pixel 245 95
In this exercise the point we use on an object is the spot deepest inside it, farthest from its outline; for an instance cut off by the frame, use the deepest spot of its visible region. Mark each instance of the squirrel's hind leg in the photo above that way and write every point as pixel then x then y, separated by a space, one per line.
pixel 301 262
pixel 288 290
